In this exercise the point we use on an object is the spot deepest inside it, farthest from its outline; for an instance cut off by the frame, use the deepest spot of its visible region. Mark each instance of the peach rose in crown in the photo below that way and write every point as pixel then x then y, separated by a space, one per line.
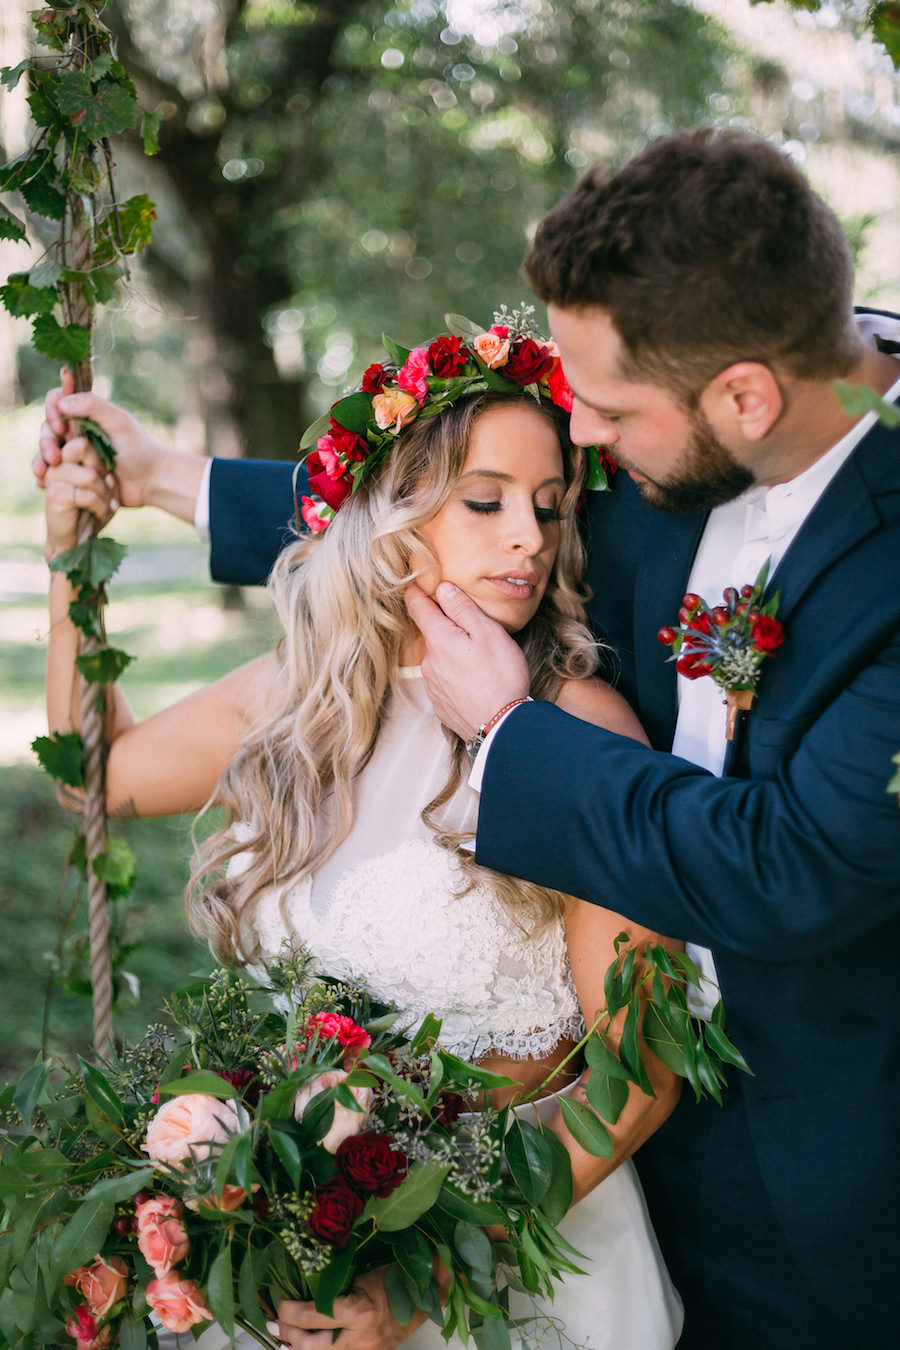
pixel 161 1236
pixel 177 1303
pixel 492 350
pixel 345 1122
pixel 394 409
pixel 101 1284
pixel 194 1125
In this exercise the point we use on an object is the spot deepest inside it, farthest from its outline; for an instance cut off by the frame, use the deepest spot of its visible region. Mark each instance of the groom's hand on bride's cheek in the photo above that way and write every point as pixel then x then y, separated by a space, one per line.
pixel 362 1320
pixel 473 666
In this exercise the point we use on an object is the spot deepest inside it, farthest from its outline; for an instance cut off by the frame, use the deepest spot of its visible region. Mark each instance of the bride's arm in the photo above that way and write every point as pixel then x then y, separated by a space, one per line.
pixel 172 761
pixel 590 933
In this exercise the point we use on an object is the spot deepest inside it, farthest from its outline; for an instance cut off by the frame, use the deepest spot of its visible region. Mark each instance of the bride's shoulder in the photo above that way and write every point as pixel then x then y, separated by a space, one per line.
pixel 596 701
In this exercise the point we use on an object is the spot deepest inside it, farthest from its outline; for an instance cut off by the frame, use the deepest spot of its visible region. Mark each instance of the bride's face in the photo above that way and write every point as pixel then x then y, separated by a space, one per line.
pixel 497 535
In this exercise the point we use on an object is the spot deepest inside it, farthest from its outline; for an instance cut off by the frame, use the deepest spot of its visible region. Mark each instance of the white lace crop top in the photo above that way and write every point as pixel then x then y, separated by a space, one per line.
pixel 386 909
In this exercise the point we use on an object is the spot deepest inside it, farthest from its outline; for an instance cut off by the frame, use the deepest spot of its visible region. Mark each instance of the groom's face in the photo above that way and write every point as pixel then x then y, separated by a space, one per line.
pixel 670 452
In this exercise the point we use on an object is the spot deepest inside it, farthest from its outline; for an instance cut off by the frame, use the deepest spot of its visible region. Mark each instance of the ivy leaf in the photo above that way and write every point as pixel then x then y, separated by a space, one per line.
pixel 857 399
pixel 104 666
pixel 62 756
pixel 23 300
pixel 46 273
pixel 10 75
pixel 116 867
pixel 92 563
pixel 11 226
pixel 67 346
pixel 136 217
pixel 885 21
pixel 101 443
pixel 150 132
pixel 97 110
pixel 44 198
pixel 44 111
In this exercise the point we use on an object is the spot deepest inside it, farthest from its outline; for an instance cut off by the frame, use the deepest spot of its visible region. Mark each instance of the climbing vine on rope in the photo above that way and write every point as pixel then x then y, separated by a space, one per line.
pixel 79 95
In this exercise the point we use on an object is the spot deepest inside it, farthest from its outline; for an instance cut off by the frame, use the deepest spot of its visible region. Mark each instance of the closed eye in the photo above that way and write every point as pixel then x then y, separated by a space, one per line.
pixel 481 507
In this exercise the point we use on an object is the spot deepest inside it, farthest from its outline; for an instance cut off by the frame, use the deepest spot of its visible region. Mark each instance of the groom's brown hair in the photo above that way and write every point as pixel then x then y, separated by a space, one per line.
pixel 709 247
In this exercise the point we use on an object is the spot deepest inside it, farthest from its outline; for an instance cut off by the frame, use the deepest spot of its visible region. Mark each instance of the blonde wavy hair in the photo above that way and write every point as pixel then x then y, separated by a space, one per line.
pixel 339 596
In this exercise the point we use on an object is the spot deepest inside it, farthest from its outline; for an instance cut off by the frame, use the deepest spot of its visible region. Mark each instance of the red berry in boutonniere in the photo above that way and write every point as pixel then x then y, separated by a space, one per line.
pixel 728 642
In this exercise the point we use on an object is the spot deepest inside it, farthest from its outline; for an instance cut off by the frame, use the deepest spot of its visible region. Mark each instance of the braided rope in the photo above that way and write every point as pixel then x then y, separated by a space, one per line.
pixel 93 703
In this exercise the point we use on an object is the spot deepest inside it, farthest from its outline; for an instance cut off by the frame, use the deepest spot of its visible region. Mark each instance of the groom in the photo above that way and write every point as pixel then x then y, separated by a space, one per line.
pixel 701 301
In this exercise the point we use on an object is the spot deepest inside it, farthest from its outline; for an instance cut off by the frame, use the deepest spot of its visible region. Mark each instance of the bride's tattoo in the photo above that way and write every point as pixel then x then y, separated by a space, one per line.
pixel 124 811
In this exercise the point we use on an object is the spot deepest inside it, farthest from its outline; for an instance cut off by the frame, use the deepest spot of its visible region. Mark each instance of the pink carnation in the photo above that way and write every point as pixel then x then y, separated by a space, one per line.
pixel 347 1032
pixel 413 376
pixel 316 515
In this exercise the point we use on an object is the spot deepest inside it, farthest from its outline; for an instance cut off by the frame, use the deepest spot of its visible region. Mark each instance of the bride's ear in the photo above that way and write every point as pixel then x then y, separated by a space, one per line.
pixel 744 399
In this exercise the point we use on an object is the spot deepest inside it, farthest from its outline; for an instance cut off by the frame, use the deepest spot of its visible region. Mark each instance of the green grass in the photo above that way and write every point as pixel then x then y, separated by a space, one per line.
pixel 165 612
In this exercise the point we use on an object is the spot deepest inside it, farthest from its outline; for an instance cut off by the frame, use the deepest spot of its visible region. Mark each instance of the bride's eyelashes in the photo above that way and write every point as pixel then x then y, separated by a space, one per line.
pixel 542 513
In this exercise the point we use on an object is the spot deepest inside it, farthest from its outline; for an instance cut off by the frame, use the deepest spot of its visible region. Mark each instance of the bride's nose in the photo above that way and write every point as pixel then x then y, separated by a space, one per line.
pixel 524 534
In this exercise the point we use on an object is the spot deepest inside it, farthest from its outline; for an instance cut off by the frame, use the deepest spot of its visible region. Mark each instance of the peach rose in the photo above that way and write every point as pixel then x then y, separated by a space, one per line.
pixel 394 409
pixel 177 1303
pixel 492 350
pixel 232 1197
pixel 161 1236
pixel 101 1284
pixel 195 1125
pixel 345 1122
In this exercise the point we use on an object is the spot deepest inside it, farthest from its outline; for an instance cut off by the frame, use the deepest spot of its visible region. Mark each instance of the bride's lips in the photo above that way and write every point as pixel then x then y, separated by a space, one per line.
pixel 516 585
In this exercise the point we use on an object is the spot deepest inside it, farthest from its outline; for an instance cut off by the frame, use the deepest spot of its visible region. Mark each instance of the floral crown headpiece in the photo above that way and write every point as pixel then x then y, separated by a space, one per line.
pixel 359 431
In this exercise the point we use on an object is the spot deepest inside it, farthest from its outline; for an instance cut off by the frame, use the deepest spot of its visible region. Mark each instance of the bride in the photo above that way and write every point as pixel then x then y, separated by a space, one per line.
pixel 347 807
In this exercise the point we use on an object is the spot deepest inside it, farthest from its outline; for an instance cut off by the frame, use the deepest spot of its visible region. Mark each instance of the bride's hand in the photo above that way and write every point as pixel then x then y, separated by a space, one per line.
pixel 362 1319
pixel 79 482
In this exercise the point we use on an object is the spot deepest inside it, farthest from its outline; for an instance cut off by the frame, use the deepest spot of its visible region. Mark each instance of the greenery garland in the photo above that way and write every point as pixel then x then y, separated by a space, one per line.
pixel 79 96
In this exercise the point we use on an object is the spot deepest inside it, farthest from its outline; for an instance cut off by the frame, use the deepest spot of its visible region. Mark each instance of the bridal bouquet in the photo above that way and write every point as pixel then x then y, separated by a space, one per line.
pixel 263 1148
pixel 250 1155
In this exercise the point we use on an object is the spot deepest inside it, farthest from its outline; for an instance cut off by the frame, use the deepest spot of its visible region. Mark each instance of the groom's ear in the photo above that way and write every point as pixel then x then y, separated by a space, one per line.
pixel 744 400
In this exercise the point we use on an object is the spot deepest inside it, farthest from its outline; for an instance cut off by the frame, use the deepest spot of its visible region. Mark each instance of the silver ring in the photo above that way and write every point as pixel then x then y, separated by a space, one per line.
pixel 74 490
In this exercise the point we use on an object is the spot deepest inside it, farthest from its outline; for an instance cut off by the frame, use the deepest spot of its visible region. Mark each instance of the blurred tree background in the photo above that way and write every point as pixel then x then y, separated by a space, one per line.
pixel 337 169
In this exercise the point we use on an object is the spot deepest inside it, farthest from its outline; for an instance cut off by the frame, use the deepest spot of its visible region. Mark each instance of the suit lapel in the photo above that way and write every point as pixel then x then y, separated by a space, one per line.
pixel 666 559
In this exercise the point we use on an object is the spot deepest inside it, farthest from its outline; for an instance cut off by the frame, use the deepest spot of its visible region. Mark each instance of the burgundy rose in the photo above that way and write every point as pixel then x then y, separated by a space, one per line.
pixel 374 379
pixel 246 1082
pixel 447 356
pixel 450 1104
pixel 333 490
pixel 370 1164
pixel 528 362
pixel 607 463
pixel 335 1210
pixel 767 634
pixel 346 443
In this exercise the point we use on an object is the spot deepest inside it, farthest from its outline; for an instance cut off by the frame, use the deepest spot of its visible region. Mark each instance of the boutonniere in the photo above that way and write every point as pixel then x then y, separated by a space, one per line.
pixel 728 642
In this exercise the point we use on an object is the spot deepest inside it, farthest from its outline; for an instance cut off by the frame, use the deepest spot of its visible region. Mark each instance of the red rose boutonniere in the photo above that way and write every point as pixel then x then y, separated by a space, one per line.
pixel 728 642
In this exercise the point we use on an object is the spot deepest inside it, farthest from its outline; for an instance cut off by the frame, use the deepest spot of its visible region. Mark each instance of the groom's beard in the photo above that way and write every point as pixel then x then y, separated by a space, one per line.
pixel 709 476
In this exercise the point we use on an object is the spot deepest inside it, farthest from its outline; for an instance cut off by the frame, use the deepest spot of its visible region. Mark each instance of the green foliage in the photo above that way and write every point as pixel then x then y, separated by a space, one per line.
pixel 859 399
pixel 62 756
pixel 882 19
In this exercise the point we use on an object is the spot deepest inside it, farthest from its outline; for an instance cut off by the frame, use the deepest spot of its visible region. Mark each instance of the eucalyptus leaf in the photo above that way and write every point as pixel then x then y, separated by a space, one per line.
pixel 200 1081
pixel 97 1087
pixel 132 1332
pixel 83 1235
pixel 599 1056
pixel 288 1150
pixel 858 399
pixel 530 1160
pixel 220 1290
pixel 397 1288
pixel 719 1042
pixel 30 1088
pixel 607 1095
pixel 335 1278
pixel 659 1037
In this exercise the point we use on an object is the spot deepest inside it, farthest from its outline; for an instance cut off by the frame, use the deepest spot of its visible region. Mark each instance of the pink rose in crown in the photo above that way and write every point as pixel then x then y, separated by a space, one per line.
pixel 345 1122
pixel 492 349
pixel 177 1303
pixel 101 1283
pixel 161 1236
pixel 193 1125
pixel 394 409
pixel 329 477
pixel 413 376
pixel 317 516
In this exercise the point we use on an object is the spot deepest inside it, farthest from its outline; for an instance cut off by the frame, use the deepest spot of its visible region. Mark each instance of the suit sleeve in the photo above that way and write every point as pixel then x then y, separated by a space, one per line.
pixel 251 517
pixel 777 868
